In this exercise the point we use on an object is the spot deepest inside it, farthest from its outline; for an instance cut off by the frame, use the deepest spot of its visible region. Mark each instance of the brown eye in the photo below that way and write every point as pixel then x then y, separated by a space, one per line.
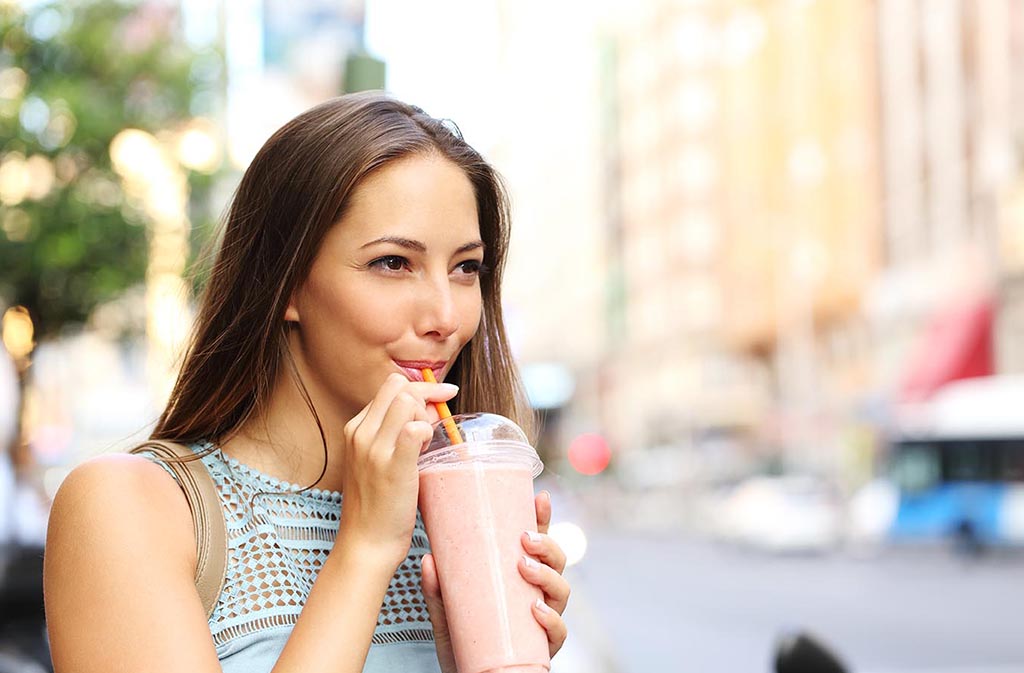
pixel 472 267
pixel 390 263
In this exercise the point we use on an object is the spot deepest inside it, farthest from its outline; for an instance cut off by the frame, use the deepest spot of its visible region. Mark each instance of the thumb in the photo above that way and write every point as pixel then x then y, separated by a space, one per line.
pixel 435 608
pixel 432 589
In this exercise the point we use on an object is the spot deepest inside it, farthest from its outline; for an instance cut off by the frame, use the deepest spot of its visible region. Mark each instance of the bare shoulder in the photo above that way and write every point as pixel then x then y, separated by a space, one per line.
pixel 120 494
pixel 116 469
pixel 120 558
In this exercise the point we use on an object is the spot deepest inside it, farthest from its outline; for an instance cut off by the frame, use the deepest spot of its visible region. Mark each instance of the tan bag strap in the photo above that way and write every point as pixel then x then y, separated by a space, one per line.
pixel 207 516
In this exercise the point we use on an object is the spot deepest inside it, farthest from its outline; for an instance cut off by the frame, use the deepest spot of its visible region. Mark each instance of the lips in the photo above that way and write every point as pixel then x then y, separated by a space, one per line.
pixel 414 368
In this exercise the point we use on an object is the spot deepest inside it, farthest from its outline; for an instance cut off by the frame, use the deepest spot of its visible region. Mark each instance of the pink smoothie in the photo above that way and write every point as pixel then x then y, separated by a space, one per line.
pixel 475 515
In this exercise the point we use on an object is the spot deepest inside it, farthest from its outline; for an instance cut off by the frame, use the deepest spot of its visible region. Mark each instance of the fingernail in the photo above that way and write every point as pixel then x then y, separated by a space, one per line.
pixel 541 605
pixel 534 536
pixel 449 387
pixel 530 563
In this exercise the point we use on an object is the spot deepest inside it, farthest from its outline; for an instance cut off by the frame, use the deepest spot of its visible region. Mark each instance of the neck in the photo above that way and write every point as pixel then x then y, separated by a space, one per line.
pixel 282 440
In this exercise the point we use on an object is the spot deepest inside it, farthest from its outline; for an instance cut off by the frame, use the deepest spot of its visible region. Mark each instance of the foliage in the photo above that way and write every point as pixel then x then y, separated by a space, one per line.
pixel 72 76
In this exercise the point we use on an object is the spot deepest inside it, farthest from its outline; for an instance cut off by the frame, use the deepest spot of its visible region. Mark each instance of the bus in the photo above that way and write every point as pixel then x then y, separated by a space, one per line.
pixel 957 465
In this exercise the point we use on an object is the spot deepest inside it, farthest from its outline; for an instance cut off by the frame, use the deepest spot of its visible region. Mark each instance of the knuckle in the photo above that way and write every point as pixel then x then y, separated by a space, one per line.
pixel 407 402
pixel 416 432
pixel 558 587
pixel 377 459
pixel 564 591
pixel 362 439
pixel 405 398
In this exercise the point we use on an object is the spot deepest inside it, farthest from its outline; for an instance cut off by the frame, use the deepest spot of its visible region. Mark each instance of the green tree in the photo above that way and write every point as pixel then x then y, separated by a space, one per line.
pixel 72 76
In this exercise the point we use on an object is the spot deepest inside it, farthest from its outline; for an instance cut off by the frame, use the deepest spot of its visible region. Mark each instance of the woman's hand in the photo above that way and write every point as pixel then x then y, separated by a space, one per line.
pixel 543 566
pixel 380 481
pixel 545 572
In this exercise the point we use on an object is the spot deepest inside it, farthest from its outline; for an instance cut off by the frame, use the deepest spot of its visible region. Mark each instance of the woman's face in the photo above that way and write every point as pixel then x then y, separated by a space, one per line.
pixel 395 286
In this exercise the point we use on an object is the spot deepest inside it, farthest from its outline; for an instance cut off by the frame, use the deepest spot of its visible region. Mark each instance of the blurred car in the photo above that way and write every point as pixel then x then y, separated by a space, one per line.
pixel 786 514
pixel 870 514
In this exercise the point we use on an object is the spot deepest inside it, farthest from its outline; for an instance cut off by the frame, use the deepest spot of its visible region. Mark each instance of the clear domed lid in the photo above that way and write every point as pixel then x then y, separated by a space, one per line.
pixel 486 439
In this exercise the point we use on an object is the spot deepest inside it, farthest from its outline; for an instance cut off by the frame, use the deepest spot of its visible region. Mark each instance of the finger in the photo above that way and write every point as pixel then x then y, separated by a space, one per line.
pixel 425 393
pixel 355 422
pixel 544 549
pixel 400 431
pixel 381 403
pixel 543 505
pixel 411 439
pixel 432 392
pixel 553 624
pixel 429 581
pixel 435 610
pixel 555 587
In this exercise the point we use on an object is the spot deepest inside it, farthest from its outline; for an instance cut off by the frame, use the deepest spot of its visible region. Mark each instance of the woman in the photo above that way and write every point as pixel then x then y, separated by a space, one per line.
pixel 365 242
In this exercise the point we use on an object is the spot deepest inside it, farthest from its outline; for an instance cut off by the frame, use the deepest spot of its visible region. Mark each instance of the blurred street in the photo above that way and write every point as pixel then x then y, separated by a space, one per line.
pixel 672 603
pixel 765 288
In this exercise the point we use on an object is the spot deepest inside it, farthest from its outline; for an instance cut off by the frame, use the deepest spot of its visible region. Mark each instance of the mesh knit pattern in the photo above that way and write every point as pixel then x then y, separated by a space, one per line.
pixel 278 539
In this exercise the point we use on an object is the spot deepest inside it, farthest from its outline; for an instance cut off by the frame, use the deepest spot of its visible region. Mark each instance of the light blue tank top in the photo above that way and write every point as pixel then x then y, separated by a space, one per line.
pixel 278 539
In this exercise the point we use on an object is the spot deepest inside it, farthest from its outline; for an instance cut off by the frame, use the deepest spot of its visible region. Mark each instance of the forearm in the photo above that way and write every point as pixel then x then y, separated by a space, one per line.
pixel 334 631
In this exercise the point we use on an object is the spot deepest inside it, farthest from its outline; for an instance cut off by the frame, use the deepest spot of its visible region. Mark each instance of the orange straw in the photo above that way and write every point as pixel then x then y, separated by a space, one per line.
pixel 443 411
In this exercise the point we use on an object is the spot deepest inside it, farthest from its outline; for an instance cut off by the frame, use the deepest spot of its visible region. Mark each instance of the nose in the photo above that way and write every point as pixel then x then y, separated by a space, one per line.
pixel 438 317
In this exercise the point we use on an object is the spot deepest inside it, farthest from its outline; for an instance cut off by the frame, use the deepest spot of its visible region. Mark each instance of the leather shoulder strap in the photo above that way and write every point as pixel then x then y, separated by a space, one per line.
pixel 207 516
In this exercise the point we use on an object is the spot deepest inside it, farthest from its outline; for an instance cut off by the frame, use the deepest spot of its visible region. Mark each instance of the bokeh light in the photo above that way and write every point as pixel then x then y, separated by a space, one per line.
pixel 198 147
pixel 135 153
pixel 589 454
pixel 14 179
pixel 571 538
pixel 18 332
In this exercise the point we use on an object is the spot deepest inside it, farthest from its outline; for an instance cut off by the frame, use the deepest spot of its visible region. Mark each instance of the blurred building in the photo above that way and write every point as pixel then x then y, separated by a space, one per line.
pixel 545 108
pixel 809 215
pixel 948 90
pixel 751 219
pixel 746 173
pixel 283 57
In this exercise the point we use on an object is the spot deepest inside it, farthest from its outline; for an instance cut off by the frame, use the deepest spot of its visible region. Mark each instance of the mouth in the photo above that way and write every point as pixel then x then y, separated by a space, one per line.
pixel 413 369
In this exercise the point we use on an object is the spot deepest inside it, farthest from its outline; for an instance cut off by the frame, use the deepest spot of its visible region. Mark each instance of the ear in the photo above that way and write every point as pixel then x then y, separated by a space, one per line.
pixel 291 313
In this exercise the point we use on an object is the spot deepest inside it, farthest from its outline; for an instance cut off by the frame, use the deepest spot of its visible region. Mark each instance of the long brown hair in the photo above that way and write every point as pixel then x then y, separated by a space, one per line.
pixel 297 187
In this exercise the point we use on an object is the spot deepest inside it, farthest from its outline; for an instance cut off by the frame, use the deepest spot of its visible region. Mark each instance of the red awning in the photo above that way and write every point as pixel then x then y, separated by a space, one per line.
pixel 957 344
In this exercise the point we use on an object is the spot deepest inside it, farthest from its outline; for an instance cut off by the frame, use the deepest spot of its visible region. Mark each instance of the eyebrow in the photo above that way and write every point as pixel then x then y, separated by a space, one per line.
pixel 418 246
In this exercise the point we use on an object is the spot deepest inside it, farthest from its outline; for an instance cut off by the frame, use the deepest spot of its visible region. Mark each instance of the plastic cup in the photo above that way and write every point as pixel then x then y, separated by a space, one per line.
pixel 477 499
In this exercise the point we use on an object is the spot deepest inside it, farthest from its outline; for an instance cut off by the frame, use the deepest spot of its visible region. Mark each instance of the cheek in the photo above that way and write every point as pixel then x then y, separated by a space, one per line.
pixel 374 321
pixel 351 317
pixel 471 315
